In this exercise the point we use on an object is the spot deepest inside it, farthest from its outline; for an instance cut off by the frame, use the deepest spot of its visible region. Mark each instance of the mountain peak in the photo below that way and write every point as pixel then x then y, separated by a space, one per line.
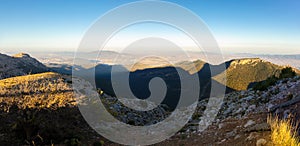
pixel 21 55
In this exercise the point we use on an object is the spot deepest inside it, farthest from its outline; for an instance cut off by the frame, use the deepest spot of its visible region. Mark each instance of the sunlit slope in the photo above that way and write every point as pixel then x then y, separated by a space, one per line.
pixel 241 73
pixel 45 90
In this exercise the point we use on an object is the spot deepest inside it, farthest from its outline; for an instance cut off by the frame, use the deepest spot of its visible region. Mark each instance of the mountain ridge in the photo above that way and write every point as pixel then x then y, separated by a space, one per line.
pixel 238 73
pixel 19 64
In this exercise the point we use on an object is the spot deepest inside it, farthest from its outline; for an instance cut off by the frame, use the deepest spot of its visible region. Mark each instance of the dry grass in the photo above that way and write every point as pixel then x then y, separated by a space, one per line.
pixel 38 83
pixel 46 90
pixel 283 133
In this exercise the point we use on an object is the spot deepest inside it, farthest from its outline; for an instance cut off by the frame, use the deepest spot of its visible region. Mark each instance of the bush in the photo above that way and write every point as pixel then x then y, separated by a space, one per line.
pixel 287 72
pixel 99 143
pixel 282 132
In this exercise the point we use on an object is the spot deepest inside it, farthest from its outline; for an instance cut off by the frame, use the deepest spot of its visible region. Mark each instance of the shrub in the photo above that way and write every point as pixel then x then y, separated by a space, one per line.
pixel 282 132
pixel 290 96
pixel 99 143
pixel 287 72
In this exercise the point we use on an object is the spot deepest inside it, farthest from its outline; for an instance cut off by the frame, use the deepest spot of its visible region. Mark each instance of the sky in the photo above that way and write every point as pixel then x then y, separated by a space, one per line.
pixel 239 26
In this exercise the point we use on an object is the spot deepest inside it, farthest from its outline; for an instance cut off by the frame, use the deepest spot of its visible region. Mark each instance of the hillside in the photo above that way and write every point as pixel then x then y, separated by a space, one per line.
pixel 241 73
pixel 46 90
pixel 39 109
pixel 243 117
pixel 19 64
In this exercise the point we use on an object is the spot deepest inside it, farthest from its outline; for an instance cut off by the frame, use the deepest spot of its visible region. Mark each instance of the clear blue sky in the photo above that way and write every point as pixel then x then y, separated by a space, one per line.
pixel 241 26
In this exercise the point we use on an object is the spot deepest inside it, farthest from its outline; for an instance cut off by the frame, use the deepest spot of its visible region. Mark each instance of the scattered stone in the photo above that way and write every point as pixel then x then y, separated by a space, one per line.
pixel 252 136
pixel 220 126
pixel 251 107
pixel 231 134
pixel 237 137
pixel 286 114
pixel 269 106
pixel 259 127
pixel 221 141
pixel 249 123
pixel 261 142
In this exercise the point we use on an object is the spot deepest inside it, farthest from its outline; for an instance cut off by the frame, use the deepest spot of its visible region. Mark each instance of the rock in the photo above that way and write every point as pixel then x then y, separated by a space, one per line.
pixel 264 95
pixel 249 123
pixel 221 141
pixel 261 142
pixel 231 134
pixel 248 98
pixel 220 126
pixel 251 107
pixel 252 136
pixel 238 111
pixel 259 127
pixel 237 137
pixel 293 86
pixel 226 112
pixel 286 114
pixel 269 106
pixel 243 92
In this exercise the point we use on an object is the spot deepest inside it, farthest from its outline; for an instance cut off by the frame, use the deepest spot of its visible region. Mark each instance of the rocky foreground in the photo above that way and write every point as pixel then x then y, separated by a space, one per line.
pixel 242 120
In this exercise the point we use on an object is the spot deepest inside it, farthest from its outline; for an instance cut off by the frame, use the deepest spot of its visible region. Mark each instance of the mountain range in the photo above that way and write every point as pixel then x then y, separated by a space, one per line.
pixel 238 74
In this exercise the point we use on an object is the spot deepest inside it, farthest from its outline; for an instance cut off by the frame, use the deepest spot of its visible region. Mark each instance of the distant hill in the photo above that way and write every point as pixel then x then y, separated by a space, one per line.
pixel 146 63
pixel 188 66
pixel 19 64
pixel 240 74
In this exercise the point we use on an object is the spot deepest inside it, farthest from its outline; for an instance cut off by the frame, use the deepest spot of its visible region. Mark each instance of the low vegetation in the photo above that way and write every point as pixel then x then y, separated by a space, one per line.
pixel 264 85
pixel 287 72
pixel 47 90
pixel 282 132
pixel 40 110
pixel 242 72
